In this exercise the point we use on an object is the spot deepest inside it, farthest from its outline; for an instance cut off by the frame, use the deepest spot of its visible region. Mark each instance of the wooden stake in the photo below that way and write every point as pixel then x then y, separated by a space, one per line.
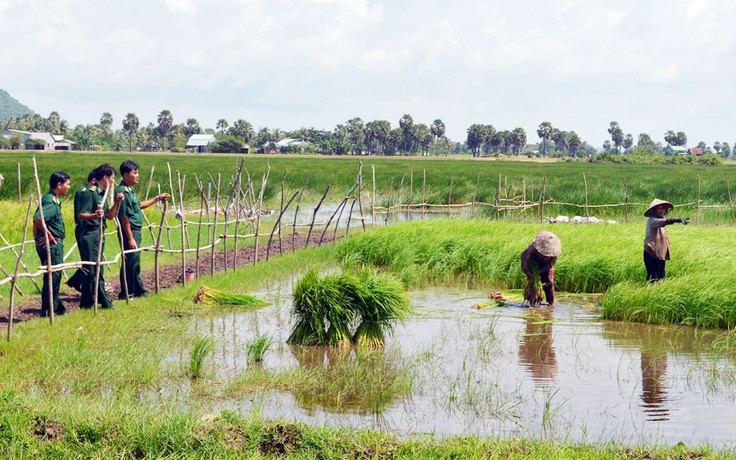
pixel 360 193
pixel 13 284
pixel 585 181
pixel 156 255
pixel 20 186
pixel 296 212
pixel 373 201
pixel 214 227
pixel 183 231
pixel 314 214
pixel 49 273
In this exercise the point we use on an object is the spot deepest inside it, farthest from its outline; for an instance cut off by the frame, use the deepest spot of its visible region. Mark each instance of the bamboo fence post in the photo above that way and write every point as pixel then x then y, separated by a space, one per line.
pixel 314 214
pixel 449 197
pixel 14 282
pixel 342 209
pixel 238 213
pixel 730 198
pixel 350 215
pixel 278 224
pixel 424 186
pixel 214 227
pixel 150 182
pixel 228 207
pixel 264 181
pixel 181 205
pixel 401 192
pixel 360 193
pixel 171 188
pixel 585 182
pixel 497 209
pixel 411 183
pixel 166 222
pixel 49 273
pixel 158 248
pixel 505 197
pixel 281 211
pixel 296 212
pixel 329 222
pixel 20 193
pixel 541 200
pixel 199 227
pixel 475 193
pixel 183 230
pixel 390 205
pixel 523 199
pixel 697 204
pixel 626 201
pixel 124 286
pixel 373 201
pixel 100 244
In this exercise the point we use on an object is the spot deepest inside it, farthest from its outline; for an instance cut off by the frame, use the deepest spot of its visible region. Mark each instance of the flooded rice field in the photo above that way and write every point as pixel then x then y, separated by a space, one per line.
pixel 558 373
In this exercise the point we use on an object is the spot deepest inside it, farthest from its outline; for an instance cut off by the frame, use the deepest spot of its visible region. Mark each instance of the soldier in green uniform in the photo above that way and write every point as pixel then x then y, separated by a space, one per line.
pixel 59 185
pixel 75 281
pixel 131 222
pixel 90 209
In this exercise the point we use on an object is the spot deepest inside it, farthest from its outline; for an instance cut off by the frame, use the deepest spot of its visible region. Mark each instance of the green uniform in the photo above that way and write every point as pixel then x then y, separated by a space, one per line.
pixel 75 281
pixel 87 202
pixel 51 205
pixel 130 207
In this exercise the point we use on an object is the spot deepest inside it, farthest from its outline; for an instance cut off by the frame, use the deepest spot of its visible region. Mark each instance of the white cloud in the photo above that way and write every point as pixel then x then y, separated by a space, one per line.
pixel 286 64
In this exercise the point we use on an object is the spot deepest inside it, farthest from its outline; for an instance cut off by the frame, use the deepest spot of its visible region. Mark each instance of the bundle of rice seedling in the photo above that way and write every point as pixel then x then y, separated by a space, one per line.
pixel 322 310
pixel 210 296
pixel 381 300
pixel 533 290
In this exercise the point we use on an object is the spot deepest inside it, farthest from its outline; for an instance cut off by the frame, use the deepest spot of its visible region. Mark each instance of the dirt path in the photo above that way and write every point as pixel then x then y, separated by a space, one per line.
pixel 29 306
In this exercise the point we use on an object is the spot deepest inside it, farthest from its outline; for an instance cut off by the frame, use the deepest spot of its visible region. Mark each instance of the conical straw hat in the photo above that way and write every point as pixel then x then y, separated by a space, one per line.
pixel 547 244
pixel 655 202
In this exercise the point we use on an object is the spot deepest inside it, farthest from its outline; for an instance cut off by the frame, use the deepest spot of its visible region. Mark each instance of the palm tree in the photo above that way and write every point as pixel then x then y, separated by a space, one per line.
pixel 545 132
pixel 242 128
pixel 407 130
pixel 106 121
pixel 130 126
pixel 165 121
pixel 222 125
pixel 438 130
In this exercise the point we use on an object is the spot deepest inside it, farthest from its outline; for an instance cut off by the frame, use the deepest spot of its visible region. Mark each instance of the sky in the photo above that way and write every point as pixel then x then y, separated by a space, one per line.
pixel 650 65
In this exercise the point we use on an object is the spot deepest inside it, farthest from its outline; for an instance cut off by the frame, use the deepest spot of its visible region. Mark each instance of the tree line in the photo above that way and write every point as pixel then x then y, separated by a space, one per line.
pixel 377 137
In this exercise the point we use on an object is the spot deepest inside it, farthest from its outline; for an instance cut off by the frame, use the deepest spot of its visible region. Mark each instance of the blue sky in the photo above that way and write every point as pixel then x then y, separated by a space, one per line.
pixel 650 65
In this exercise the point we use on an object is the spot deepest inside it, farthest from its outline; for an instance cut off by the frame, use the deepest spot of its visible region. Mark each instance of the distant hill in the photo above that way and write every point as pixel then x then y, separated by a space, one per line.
pixel 10 107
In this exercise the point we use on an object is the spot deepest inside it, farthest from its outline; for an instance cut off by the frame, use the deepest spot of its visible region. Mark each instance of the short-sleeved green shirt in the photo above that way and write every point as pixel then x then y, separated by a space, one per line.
pixel 86 201
pixel 51 205
pixel 130 206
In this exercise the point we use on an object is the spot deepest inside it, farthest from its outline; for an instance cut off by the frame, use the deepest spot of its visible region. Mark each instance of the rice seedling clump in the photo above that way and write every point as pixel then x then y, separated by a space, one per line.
pixel 339 310
pixel 210 296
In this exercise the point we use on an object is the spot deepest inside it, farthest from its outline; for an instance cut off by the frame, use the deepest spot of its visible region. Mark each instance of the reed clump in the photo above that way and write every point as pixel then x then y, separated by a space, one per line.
pixel 209 296
pixel 341 310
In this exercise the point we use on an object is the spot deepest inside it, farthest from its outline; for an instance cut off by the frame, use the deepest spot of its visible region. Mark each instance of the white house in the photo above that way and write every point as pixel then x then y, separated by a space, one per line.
pixel 50 141
pixel 201 142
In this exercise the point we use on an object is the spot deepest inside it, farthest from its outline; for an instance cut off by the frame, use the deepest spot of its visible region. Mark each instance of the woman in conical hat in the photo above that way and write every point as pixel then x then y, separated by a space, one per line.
pixel 541 256
pixel 656 240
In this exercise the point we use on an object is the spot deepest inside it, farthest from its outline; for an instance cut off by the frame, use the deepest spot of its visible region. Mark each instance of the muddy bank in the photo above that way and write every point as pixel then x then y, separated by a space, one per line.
pixel 29 306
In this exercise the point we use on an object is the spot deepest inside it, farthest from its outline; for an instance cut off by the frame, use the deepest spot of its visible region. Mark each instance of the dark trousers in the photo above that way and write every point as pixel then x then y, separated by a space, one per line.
pixel 655 268
pixel 132 273
pixel 57 257
pixel 77 278
pixel 88 250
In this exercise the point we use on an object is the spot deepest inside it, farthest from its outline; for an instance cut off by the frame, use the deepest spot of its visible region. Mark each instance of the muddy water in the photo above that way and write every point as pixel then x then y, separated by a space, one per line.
pixel 559 373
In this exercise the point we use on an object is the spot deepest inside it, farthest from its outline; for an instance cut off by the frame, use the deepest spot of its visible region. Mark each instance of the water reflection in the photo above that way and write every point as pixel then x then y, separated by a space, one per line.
pixel 344 380
pixel 653 388
pixel 536 352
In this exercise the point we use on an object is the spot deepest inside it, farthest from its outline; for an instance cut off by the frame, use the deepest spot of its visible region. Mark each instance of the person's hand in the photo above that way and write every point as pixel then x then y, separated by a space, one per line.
pixel 98 214
pixel 119 197
pixel 163 197
pixel 132 244
pixel 685 221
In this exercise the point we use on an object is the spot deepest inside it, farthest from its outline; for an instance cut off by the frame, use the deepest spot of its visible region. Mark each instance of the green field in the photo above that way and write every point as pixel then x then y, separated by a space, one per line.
pixel 434 177
pixel 80 388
